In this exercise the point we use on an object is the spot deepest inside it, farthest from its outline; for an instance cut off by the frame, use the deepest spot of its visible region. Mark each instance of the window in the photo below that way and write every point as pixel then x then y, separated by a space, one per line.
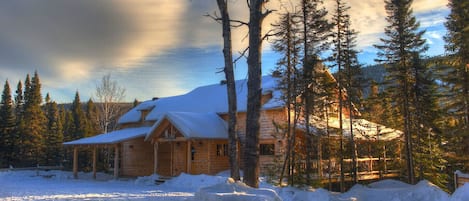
pixel 222 150
pixel 267 149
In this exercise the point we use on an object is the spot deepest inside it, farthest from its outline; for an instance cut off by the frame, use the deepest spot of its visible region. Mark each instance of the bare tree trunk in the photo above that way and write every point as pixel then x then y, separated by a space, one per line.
pixel 231 90
pixel 251 151
pixel 109 94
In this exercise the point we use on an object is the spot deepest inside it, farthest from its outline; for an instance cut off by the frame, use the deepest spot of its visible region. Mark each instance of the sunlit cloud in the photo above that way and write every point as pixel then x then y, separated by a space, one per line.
pixel 74 43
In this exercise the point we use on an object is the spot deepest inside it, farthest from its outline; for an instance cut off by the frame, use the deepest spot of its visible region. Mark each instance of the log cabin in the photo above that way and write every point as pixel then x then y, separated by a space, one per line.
pixel 188 133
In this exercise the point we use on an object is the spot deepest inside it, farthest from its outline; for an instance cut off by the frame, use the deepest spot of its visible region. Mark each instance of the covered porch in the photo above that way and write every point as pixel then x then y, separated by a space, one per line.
pixel 193 143
pixel 132 155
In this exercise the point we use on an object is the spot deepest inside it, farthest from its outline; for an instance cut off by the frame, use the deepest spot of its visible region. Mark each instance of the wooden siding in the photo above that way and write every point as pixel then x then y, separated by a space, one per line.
pixel 220 162
pixel 460 180
pixel 164 159
pixel 174 156
pixel 137 158
pixel 269 134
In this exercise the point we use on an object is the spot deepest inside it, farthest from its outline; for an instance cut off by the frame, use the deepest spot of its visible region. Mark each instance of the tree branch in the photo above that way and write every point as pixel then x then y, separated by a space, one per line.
pixel 214 17
pixel 242 54
pixel 238 23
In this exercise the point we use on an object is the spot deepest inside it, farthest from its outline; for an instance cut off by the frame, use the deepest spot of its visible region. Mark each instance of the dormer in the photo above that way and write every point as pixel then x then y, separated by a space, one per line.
pixel 143 114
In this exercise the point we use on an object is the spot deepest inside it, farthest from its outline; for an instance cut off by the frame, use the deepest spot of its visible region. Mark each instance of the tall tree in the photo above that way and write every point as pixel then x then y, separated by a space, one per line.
pixel 19 111
pixel 251 151
pixel 403 40
pixel 231 90
pixel 8 138
pixel 348 71
pixel 457 75
pixel 316 31
pixel 53 153
pixel 91 117
pixel 109 94
pixel 78 127
pixel 426 115
pixel 287 43
pixel 34 122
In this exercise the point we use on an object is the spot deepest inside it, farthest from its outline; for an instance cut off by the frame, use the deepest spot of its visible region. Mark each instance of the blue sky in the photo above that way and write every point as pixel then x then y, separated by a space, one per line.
pixel 154 48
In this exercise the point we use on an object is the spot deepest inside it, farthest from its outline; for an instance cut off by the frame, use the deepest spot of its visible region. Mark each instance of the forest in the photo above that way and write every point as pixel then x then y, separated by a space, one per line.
pixel 426 98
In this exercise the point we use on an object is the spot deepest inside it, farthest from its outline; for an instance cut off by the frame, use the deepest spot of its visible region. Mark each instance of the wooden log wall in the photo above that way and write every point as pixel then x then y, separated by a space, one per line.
pixel 137 158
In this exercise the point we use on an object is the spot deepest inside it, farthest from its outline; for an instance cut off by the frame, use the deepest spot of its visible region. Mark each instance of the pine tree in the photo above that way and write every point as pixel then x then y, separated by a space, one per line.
pixel 287 43
pixel 34 122
pixel 78 127
pixel 53 153
pixel 91 117
pixel 8 140
pixel 426 114
pixel 316 33
pixel 19 112
pixel 456 77
pixel 402 42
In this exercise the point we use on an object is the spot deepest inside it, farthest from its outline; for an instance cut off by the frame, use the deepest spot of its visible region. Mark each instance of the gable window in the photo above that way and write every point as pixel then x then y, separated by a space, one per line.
pixel 267 149
pixel 222 149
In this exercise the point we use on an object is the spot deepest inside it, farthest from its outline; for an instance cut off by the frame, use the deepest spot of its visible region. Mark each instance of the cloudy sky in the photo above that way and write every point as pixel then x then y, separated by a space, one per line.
pixel 153 48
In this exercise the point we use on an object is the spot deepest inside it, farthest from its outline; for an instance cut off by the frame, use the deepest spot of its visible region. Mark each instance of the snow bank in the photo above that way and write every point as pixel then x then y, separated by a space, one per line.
pixel 295 194
pixel 396 191
pixel 60 185
pixel 147 180
pixel 461 194
pixel 193 182
pixel 235 191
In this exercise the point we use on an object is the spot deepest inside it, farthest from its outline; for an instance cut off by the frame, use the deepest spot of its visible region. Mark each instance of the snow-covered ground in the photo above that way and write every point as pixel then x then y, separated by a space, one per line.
pixel 59 185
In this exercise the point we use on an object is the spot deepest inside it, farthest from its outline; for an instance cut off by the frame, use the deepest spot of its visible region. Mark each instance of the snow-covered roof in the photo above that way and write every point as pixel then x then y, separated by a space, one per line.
pixel 205 99
pixel 195 125
pixel 362 128
pixel 112 137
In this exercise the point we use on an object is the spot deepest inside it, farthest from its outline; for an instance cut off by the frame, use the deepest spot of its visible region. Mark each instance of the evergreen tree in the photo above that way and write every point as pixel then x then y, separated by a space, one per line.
pixel 135 103
pixel 288 43
pixel 348 72
pixel 456 77
pixel 78 127
pixel 78 130
pixel 19 111
pixel 34 122
pixel 403 41
pixel 66 120
pixel 8 139
pixel 53 153
pixel 91 114
pixel 316 33
pixel 425 116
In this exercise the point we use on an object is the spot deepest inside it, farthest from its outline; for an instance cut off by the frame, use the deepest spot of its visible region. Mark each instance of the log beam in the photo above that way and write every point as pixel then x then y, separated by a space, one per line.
pixel 155 155
pixel 116 161
pixel 94 162
pixel 189 157
pixel 75 162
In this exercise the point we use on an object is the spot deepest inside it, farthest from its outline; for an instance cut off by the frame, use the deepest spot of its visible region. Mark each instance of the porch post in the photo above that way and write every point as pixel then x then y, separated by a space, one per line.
pixel 385 161
pixel 155 157
pixel 116 161
pixel 189 157
pixel 75 162
pixel 94 162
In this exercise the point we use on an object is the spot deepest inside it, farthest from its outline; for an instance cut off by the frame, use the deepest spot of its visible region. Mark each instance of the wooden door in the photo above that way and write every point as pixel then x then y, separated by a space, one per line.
pixel 164 159
pixel 179 158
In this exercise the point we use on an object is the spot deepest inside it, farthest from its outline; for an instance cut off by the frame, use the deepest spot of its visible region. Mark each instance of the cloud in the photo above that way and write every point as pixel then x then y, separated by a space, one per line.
pixel 71 43
pixel 62 37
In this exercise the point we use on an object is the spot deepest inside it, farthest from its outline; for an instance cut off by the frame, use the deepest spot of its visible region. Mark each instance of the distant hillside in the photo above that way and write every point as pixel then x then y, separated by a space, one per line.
pixel 378 73
pixel 372 73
